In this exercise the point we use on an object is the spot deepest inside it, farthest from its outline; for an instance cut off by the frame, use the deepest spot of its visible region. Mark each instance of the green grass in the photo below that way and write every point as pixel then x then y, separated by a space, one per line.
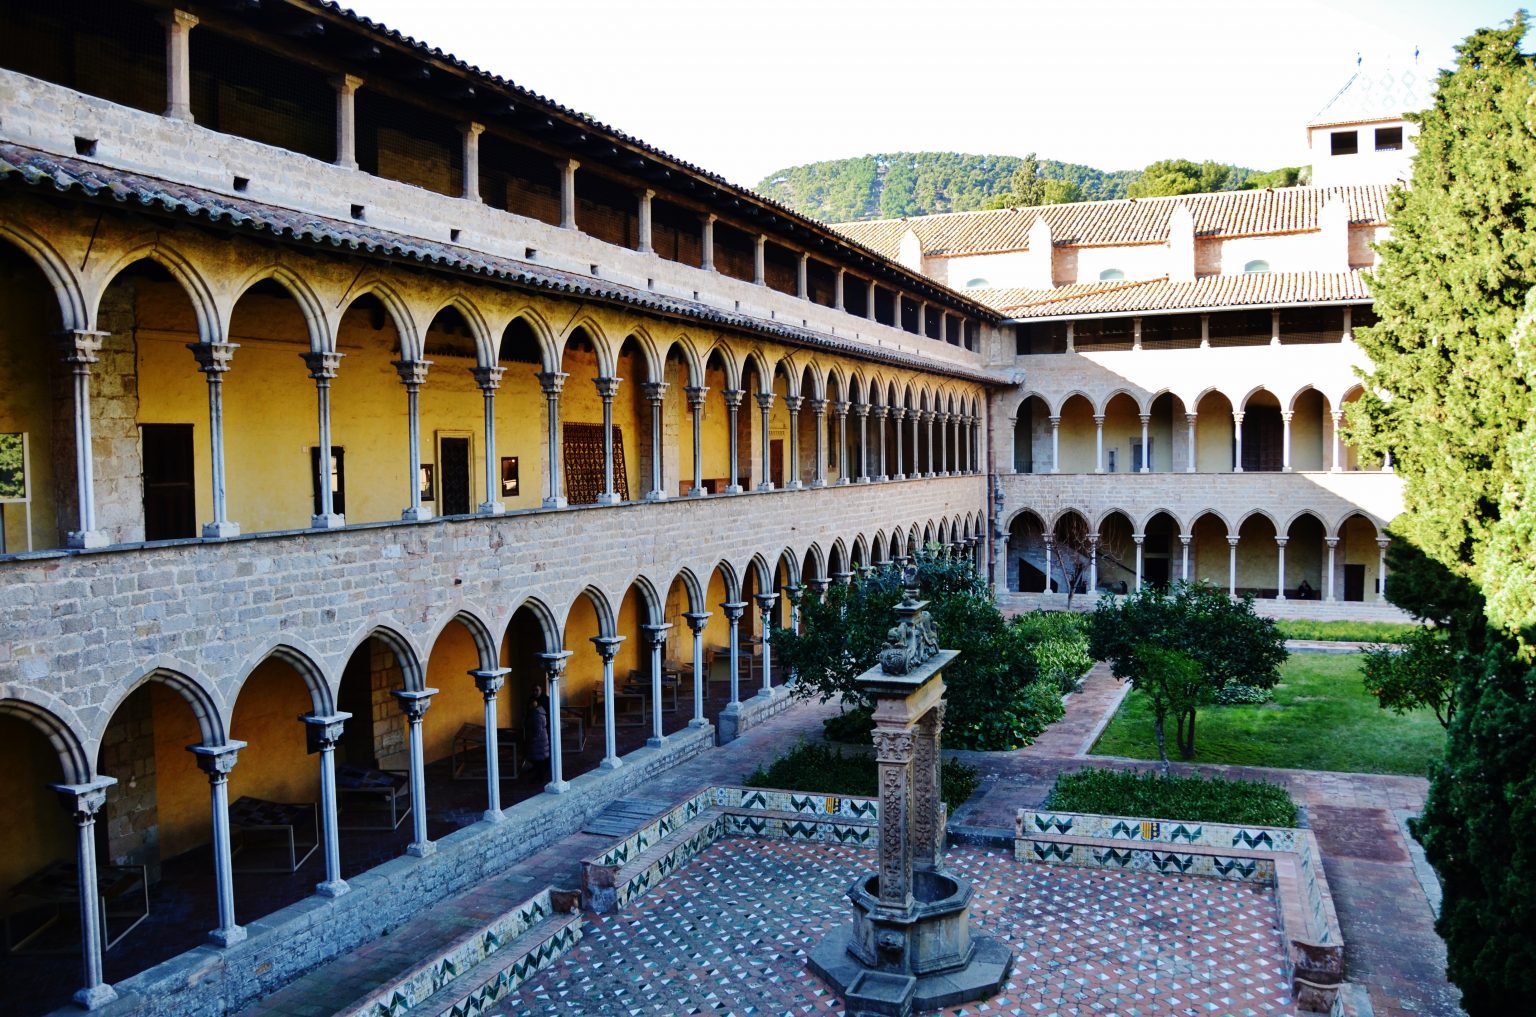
pixel 1321 719
pixel 820 768
pixel 1346 631
pixel 1148 796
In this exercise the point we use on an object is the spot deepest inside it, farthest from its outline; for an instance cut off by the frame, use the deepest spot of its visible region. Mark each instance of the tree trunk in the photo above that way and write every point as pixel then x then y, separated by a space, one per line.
pixel 1186 734
pixel 1158 725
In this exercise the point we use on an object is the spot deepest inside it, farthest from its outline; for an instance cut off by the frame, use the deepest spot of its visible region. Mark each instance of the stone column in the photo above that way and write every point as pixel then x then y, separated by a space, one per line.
pixel 927 831
pixel 1055 444
pixel 213 360
pixel 1333 545
pixel 1184 539
pixel 1098 443
pixel 414 703
pixel 734 609
pixel 845 578
pixel 837 291
pixel 697 620
pixel 80 352
pixel 879 414
pixel 696 394
pixel 322 368
pixel 765 605
pixel 802 278
pixel 554 668
pixel 321 735
pixel 551 382
pixel 491 681
pixel 966 423
pixel 217 761
pixel 819 474
pixel 1049 581
pixel 893 756
pixel 760 260
pixel 898 415
pixel 1093 562
pixel 489 380
pixel 471 132
pixel 178 64
pixel 932 469
pixel 1189 442
pixel 643 214
pixel 413 374
pixel 861 410
pixel 733 410
pixel 844 475
pixel 1205 331
pixel 607 388
pixel 1381 569
pixel 1285 440
pixel 656 640
pixel 1237 441
pixel 1232 566
pixel 792 481
pixel 607 649
pixel 869 302
pixel 943 419
pixel 917 448
pixel 1146 449
pixel 346 86
pixel 1280 569
pixel 655 393
pixel 567 168
pixel 707 242
pixel 1274 327
pixel 819 587
pixel 765 407
pixel 1338 445
pixel 83 802
pixel 1140 540
pixel 1071 337
pixel 1136 333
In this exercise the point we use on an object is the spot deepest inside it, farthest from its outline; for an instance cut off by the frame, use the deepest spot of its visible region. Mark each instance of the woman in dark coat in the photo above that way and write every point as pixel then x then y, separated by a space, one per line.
pixel 538 736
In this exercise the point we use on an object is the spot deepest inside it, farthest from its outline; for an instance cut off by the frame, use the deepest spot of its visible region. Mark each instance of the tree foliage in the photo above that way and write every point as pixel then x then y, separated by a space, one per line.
pixel 1144 635
pixel 1420 673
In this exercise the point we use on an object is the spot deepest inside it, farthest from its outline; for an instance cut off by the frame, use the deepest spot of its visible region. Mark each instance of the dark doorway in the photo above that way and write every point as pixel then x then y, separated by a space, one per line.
pixel 170 497
pixel 338 479
pixel 453 473
pixel 776 462
pixel 1154 572
pixel 1354 582
pixel 356 697
pixel 1262 440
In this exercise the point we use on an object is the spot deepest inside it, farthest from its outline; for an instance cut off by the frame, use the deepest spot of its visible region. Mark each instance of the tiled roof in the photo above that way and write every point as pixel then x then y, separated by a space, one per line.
pixel 1258 289
pixel 1124 221
pixel 30 166
pixel 1378 94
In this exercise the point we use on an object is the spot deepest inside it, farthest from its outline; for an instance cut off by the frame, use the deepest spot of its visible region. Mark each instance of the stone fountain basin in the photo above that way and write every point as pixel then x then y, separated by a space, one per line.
pixel 930 936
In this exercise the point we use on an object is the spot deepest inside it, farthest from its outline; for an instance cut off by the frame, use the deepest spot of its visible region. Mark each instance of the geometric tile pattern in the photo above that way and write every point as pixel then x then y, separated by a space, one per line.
pixel 1163 831
pixel 510 978
pixel 1185 863
pixel 728 933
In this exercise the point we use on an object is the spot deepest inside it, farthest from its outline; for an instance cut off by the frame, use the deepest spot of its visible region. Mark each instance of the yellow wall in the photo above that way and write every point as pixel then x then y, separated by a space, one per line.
pixel 1076 438
pixel 1308 451
pixel 181 788
pixel 458 701
pixel 1213 435
pixel 34 829
pixel 275 763
pixel 715 428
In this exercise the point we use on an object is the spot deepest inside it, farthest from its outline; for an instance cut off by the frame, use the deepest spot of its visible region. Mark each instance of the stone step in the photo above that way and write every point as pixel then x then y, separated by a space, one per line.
pixel 625 816
pixel 472 992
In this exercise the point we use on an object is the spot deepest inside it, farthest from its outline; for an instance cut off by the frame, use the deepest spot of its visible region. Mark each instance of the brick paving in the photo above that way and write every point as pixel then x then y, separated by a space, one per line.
pixel 729 932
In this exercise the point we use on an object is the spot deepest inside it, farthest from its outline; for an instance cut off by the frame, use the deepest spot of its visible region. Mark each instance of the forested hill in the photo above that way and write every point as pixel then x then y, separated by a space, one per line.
pixel 921 183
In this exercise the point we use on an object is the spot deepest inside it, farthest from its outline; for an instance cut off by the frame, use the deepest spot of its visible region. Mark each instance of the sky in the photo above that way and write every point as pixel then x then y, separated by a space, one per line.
pixel 744 88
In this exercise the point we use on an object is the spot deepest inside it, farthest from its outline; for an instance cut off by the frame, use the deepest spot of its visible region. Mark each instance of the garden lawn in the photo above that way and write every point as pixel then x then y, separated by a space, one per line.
pixel 1321 719
pixel 1346 631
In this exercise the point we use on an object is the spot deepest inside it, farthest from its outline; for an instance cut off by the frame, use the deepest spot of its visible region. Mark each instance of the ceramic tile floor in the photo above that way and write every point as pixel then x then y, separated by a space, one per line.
pixel 727 935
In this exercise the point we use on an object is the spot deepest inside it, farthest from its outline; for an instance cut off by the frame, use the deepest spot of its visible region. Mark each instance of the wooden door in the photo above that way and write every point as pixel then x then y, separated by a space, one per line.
pixel 454 497
pixel 170 493
pixel 776 462
pixel 1354 582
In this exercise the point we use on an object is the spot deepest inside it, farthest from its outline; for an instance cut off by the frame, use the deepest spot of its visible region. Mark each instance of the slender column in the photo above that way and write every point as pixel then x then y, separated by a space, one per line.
pixel 1136 333
pixel 844 474
pixel 607 388
pixel 928 419
pixel 1071 337
pixel 802 278
pixel 966 423
pixel 1232 566
pixel 213 361
pixel 607 649
pixel 869 304
pixel 1189 442
pixel 1205 331
pixel 656 639
pixel 1098 443
pixel 1285 441
pixel 178 64
pixel 760 260
pixel 733 409
pixel 471 132
pixel 1055 444
pixel 707 242
pixel 217 761
pixel 1280 568
pixel 80 350
pixel 1049 545
pixel 696 394
pixel 1146 449
pixel 734 609
pixel 1274 327
pixel 346 86
pixel 879 414
pixel 697 620
pixel 819 408
pixel 1333 545
pixel 1093 562
pixel 83 802
pixel 413 374
pixel 922 318
pixel 322 368
pixel 945 438
pixel 1237 441
pixel 898 415
pixel 917 465
pixel 551 382
pixel 656 392
pixel 1184 539
pixel 643 214
pixel 765 604
pixel 414 703
pixel 1349 324
pixel 321 735
pixel 567 168
pixel 491 681
pixel 837 291
pixel 554 668
pixel 1139 539
pixel 489 380
pixel 893 755
pixel 1381 568
pixel 861 411
pixel 792 481
pixel 1338 444
pixel 765 408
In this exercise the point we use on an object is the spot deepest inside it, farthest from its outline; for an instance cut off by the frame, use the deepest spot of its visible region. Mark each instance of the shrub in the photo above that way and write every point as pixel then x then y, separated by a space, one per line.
pixel 1346 631
pixel 821 769
pixel 1191 799
pixel 1058 643
pixel 1238 694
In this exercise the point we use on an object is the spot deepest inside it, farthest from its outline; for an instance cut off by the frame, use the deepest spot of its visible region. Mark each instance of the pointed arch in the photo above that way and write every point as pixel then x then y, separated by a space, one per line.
pixel 549 625
pixel 413 673
pixel 73 310
pixel 691 587
pixel 607 353
pixel 394 306
pixel 210 323
pixel 607 623
pixel 485 343
pixel 731 580
pixel 689 354
pixel 197 693
pixel 543 335
pixel 74 761
pixel 321 336
pixel 479 631
pixel 303 663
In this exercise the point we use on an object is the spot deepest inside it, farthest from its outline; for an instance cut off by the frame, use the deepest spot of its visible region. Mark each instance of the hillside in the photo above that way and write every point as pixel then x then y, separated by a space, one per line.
pixel 896 184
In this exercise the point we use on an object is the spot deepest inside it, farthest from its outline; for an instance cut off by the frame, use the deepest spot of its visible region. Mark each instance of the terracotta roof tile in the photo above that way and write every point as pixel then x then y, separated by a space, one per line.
pixel 1266 289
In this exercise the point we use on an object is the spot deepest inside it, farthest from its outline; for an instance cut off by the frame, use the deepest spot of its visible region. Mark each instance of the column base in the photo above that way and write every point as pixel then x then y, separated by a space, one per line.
pixel 898 476
pixel 655 496
pixel 416 515
pixel 332 888
pixel 95 996
pixel 83 539
pixel 842 480
pixel 793 485
pixel 734 489
pixel 220 530
pixel 610 763
pixel 862 480
pixel 229 937
pixel 493 816
pixel 605 499
pixel 556 502
pixel 655 743
pixel 881 479
pixel 491 508
pixel 330 522
pixel 1279 596
pixel 765 486
pixel 818 484
pixel 557 787
pixel 698 491
pixel 422 849
pixel 698 723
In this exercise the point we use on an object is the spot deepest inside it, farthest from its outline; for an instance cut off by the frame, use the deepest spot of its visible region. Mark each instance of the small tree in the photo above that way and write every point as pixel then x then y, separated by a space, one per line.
pixel 1230 643
pixel 1422 673
pixel 1172 681
pixel 1075 549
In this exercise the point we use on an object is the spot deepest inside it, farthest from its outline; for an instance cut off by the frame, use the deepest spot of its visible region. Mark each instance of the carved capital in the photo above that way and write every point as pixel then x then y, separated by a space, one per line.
pixel 794 592
pixel 414 702
pixel 793 403
pixel 765 400
pixel 656 635
pixel 323 732
pixel 732 397
pixel 840 407
pixel 816 406
pixel 488 378
pixel 551 382
pixel 322 364
pixel 696 394
pixel 217 760
pixel 734 609
pixel 893 746
pixel 82 346
pixel 84 801
pixel 655 391
pixel 696 620
pixel 607 388
pixel 607 646
pixel 490 680
pixel 412 373
pixel 213 358
pixel 819 587
pixel 765 601
pixel 554 663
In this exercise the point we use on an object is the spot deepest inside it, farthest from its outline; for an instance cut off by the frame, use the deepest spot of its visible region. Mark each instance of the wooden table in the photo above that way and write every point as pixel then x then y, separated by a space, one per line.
pixel 469 750
pixel 281 820
pixel 383 789
pixel 53 892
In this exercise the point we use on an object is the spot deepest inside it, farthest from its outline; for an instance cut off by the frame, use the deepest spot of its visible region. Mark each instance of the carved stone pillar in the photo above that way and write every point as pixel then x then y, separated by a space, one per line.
pixel 607 388
pixel 765 604
pixel 80 352
pixel 879 413
pixel 490 681
pixel 489 380
pixel 321 734
pixel 898 416
pixel 217 761
pixel 696 394
pixel 656 641
pixel 732 398
pixel 322 368
pixel 83 802
pixel 734 609
pixel 213 359
pixel 551 383
pixel 792 478
pixel 893 756
pixel 844 475
pixel 765 407
pixel 554 670
pixel 656 394
pixel 861 410
pixel 607 649
pixel 414 703
pixel 819 474
pixel 697 620
pixel 927 823
pixel 413 374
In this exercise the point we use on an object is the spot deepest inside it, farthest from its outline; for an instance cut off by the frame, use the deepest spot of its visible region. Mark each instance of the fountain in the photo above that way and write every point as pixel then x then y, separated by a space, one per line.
pixel 910 944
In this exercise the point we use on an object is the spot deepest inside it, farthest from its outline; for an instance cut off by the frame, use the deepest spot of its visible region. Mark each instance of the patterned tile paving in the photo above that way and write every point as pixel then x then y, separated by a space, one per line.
pixel 727 935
